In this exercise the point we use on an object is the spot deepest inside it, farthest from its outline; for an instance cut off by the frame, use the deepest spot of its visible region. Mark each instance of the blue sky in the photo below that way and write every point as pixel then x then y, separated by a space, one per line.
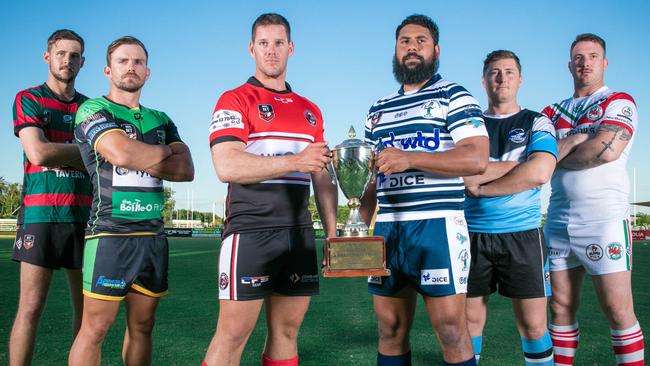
pixel 342 60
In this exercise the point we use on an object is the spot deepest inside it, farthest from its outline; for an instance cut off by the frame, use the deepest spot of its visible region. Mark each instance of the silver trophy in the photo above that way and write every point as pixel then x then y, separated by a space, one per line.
pixel 355 253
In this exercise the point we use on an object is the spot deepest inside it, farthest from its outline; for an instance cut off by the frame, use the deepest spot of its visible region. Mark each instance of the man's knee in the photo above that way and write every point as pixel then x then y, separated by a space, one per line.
pixel 142 326
pixel 620 314
pixel 451 331
pixel 94 329
pixel 31 309
pixel 563 307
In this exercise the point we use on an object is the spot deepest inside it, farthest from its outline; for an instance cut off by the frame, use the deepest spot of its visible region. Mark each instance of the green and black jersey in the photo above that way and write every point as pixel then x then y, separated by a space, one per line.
pixel 125 202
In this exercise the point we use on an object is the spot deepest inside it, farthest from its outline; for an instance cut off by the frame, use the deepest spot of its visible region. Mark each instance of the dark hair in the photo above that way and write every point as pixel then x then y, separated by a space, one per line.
pixel 64 34
pixel 271 19
pixel 421 20
pixel 122 41
pixel 588 37
pixel 500 55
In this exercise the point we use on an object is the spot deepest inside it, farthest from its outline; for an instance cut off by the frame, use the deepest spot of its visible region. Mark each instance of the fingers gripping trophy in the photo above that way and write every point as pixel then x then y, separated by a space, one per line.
pixel 355 253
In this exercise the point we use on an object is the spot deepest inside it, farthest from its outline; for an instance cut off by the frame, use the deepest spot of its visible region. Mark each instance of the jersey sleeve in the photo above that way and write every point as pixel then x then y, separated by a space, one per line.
pixel 229 120
pixel 622 111
pixel 92 123
pixel 464 117
pixel 171 132
pixel 320 134
pixel 27 112
pixel 542 137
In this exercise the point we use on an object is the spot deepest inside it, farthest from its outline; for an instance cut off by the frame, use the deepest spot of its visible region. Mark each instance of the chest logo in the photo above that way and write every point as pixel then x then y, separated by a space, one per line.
pixel 309 116
pixel 162 137
pixel 517 135
pixel 67 118
pixel 130 131
pixel 265 112
pixel 374 119
pixel 595 113
pixel 429 107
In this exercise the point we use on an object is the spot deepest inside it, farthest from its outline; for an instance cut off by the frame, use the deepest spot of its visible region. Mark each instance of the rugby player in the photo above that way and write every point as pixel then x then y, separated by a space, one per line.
pixel 503 212
pixel 56 193
pixel 588 228
pixel 267 144
pixel 430 133
pixel 128 150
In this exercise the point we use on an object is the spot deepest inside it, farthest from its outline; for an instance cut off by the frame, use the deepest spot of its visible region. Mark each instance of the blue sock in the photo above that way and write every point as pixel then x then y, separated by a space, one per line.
pixel 399 360
pixel 538 352
pixel 470 362
pixel 477 343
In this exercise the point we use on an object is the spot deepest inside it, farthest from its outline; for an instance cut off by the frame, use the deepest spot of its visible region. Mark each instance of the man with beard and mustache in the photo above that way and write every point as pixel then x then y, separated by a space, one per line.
pixel 588 227
pixel 56 192
pixel 128 150
pixel 267 144
pixel 429 134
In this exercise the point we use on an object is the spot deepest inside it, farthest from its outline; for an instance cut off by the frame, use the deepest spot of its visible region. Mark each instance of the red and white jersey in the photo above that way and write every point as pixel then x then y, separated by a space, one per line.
pixel 270 123
pixel 600 193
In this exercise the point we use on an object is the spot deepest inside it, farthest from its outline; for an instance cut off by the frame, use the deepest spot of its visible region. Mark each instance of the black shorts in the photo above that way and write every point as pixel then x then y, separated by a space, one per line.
pixel 253 265
pixel 50 245
pixel 113 265
pixel 515 263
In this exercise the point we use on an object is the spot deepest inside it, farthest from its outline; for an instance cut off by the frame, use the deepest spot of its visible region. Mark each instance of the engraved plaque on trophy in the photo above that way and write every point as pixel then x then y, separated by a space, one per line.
pixel 355 253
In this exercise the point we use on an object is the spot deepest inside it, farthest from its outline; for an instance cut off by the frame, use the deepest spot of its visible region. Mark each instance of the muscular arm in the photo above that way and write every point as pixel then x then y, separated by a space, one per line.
pixel 495 170
pixel 178 167
pixel 530 174
pixel 469 157
pixel 42 152
pixel 605 146
pixel 234 165
pixel 568 144
pixel 116 147
pixel 326 195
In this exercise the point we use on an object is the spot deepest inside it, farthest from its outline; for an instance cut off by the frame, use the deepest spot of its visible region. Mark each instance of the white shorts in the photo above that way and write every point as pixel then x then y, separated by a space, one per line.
pixel 601 248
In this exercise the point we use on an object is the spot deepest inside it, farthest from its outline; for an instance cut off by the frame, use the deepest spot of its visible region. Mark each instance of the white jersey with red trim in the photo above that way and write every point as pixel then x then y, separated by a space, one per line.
pixel 270 123
pixel 595 194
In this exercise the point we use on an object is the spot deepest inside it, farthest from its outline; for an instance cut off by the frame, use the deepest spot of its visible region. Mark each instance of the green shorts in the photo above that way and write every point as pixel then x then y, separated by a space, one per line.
pixel 113 265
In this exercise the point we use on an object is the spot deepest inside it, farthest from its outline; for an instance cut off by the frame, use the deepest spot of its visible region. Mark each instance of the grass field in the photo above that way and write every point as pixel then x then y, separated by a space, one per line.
pixel 340 327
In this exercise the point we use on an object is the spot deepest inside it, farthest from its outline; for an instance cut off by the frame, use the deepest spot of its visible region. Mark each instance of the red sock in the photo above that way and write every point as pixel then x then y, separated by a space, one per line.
pixel 628 346
pixel 266 361
pixel 203 363
pixel 565 343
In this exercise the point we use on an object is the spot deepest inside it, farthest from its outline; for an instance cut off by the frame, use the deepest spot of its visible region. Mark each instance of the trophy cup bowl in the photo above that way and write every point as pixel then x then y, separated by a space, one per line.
pixel 355 253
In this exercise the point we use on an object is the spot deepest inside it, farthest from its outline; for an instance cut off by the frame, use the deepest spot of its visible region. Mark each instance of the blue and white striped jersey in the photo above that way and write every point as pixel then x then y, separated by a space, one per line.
pixel 432 119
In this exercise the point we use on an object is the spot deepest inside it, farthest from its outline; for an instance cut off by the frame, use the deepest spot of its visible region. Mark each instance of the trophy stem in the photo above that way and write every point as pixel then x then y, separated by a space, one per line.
pixel 354 226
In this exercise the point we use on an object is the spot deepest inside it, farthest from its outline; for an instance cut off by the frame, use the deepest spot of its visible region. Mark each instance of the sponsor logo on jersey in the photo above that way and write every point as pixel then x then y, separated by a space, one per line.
pixel 462 280
pixel 429 107
pixel 474 122
pixel 138 116
pixel 400 114
pixel 265 112
pixel 255 281
pixel 282 99
pixel 614 251
pixel 375 280
pixel 224 118
pixel 434 277
pixel 374 119
pixel 517 135
pixel 123 177
pixel 463 256
pixel 137 205
pixel 552 252
pixel 460 221
pixel 595 112
pixel 627 111
pixel 461 238
pixel 162 137
pixel 18 243
pixel 223 281
pixel 417 142
pixel 310 117
pixel 28 241
pixel 130 131
pixel 67 118
pixel 594 252
pixel 102 281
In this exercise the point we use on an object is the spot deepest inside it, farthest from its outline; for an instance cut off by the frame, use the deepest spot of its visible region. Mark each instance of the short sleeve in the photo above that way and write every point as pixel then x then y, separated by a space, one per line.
pixel 229 121
pixel 543 137
pixel 91 124
pixel 464 117
pixel 621 111
pixel 27 112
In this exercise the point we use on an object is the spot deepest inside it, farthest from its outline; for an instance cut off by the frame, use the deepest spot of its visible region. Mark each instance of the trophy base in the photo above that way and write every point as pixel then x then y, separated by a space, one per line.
pixel 355 257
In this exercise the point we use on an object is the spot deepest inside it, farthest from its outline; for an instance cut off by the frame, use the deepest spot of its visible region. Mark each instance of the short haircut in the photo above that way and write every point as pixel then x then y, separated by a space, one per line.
pixel 271 19
pixel 64 34
pixel 423 21
pixel 588 37
pixel 500 55
pixel 122 41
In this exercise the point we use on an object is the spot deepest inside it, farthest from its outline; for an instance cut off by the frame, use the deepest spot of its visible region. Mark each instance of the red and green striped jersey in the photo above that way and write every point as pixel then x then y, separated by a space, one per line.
pixel 51 194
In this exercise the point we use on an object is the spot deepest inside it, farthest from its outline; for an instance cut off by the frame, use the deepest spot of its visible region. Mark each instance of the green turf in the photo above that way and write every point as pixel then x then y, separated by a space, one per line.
pixel 340 327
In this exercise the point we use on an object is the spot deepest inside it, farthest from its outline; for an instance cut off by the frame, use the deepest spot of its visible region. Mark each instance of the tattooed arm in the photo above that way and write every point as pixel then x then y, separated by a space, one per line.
pixel 605 146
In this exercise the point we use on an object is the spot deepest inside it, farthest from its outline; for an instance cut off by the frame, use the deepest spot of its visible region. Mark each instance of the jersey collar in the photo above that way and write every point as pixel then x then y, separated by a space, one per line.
pixel 253 81
pixel 434 79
